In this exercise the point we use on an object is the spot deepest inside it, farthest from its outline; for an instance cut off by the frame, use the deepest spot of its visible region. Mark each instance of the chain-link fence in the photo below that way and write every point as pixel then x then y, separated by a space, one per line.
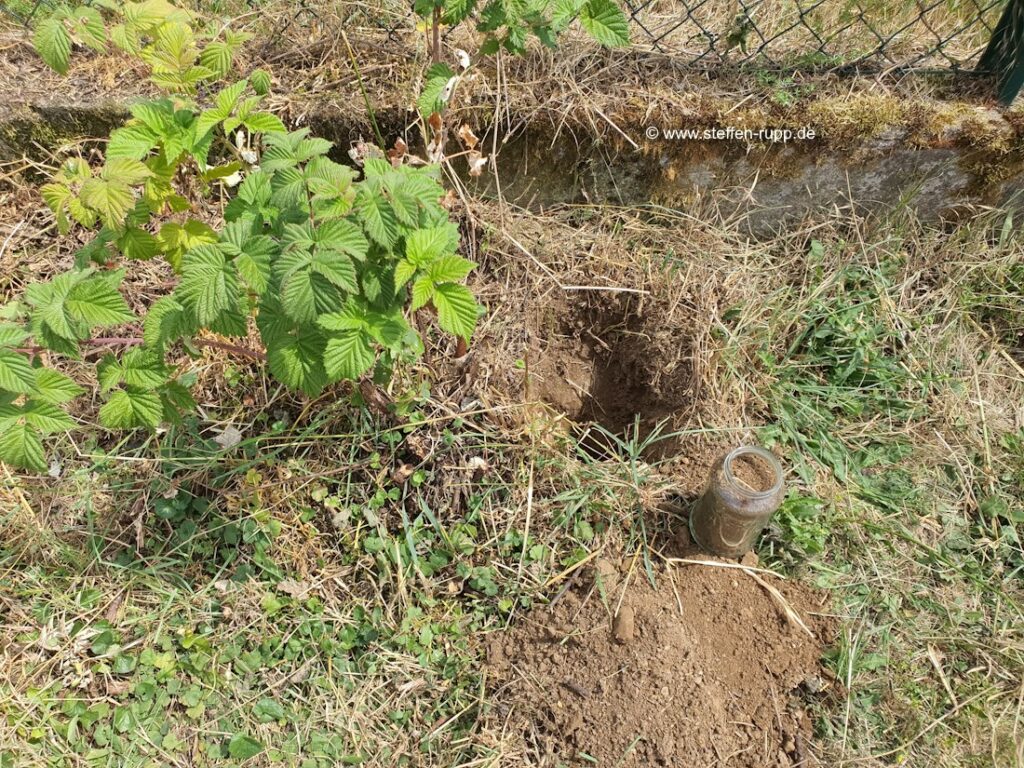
pixel 818 34
pixel 25 11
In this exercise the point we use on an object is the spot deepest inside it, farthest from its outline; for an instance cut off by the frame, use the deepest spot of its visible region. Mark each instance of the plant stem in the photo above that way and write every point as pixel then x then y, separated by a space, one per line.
pixel 435 46
pixel 252 354
pixel 135 341
pixel 362 89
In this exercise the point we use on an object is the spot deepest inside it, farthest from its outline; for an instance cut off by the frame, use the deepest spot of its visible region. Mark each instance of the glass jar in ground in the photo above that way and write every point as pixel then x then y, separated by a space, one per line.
pixel 744 489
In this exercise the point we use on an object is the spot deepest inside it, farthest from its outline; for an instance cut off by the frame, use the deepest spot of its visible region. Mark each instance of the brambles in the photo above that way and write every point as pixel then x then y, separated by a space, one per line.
pixel 508 25
pixel 329 265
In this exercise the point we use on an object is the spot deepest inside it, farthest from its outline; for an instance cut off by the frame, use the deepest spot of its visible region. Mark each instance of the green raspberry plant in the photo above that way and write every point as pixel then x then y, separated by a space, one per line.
pixel 505 25
pixel 331 266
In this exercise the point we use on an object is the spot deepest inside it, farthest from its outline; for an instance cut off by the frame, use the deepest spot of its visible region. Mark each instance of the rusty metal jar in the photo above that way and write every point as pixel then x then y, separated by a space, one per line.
pixel 744 490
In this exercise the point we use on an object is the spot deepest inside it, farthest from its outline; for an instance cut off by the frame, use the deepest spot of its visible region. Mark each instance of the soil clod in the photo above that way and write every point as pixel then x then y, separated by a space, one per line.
pixel 624 625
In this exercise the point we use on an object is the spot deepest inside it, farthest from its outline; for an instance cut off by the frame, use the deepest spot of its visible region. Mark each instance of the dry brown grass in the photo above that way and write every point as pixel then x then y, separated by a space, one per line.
pixel 925 578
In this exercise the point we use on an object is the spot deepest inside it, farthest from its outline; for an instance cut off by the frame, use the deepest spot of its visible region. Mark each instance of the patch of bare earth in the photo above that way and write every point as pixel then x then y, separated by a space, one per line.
pixel 706 667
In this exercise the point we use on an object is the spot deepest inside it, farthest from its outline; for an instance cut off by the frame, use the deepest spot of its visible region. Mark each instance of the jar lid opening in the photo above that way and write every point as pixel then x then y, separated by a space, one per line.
pixel 763 465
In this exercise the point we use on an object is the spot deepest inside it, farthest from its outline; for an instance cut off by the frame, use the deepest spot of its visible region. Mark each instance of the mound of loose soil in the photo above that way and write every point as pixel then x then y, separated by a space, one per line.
pixel 705 669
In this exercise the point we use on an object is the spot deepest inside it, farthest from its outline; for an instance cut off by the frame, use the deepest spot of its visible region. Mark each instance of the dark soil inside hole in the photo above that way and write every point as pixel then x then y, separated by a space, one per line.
pixel 704 668
pixel 618 367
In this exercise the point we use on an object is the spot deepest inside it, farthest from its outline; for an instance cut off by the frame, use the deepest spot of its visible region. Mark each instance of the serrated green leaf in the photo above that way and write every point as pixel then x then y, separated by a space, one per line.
pixel 264 122
pixel 311 148
pixel 175 239
pixel 253 262
pixel 377 216
pixel 74 169
pixel 377 285
pixel 423 183
pixel 216 57
pixel 344 236
pixel 377 168
pixel 54 387
pixel 248 106
pixel 143 369
pixel 298 295
pixel 53 44
pixel 87 28
pixel 57 197
pixel 450 269
pixel 388 331
pixel 422 293
pixel 21 446
pixel 46 418
pixel 563 12
pixel 206 121
pixel 457 11
pixel 177 396
pixel 404 204
pixel 260 80
pixel 350 318
pixel 111 199
pixel 164 324
pixel 404 272
pixel 9 413
pixel 81 214
pixel 329 180
pixel 425 245
pixel 136 243
pixel 108 373
pixel 348 355
pixel 125 39
pixel 289 188
pixel 16 374
pixel 132 141
pixel 337 268
pixel 231 322
pixel 256 189
pixel 125 171
pixel 298 236
pixel 156 115
pixel 456 309
pixel 96 302
pixel 12 335
pixel 436 83
pixel 127 409
pixel 296 359
pixel 605 22
pixel 209 284
pixel 228 96
pixel 48 299
pixel 278 157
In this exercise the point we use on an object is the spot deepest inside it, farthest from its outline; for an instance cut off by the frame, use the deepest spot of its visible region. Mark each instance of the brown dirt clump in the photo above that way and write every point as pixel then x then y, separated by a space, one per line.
pixel 704 669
